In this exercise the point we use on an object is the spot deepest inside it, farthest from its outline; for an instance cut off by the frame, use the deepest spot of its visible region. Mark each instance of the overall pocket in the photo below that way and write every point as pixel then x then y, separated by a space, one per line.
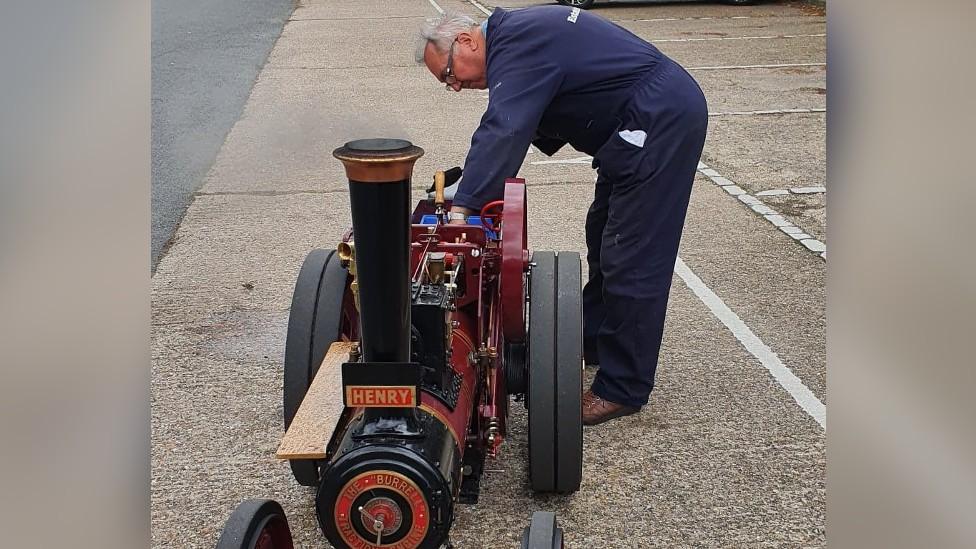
pixel 622 158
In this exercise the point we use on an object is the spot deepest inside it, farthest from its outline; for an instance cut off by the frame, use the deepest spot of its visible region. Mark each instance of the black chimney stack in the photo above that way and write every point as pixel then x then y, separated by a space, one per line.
pixel 379 172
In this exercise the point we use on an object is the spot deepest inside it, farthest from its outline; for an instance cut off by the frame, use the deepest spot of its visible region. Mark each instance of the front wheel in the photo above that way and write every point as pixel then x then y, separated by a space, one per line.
pixel 542 532
pixel 256 524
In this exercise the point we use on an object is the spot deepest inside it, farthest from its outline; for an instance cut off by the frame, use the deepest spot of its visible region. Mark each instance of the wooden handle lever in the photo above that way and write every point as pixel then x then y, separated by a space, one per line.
pixel 439 188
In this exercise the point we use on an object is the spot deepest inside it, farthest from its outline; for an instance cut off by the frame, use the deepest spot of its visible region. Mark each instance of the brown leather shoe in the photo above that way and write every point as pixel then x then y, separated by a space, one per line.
pixel 596 410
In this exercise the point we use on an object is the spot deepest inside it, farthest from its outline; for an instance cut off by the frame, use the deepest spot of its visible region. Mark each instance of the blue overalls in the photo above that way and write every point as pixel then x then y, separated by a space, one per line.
pixel 558 75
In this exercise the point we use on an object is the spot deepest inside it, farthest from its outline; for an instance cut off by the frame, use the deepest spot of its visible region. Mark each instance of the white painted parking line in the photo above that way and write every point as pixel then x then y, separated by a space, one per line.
pixel 659 19
pixel 780 372
pixel 769 214
pixel 579 160
pixel 772 66
pixel 808 190
pixel 760 113
pixel 483 9
pixel 474 3
pixel 794 190
pixel 671 19
pixel 715 39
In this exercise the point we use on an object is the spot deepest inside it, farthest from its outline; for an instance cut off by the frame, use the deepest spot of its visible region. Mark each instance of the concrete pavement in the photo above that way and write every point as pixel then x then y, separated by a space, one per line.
pixel 723 456
pixel 205 57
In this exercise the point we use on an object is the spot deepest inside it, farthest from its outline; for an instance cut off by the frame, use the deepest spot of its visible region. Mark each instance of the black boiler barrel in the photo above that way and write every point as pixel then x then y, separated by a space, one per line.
pixel 379 172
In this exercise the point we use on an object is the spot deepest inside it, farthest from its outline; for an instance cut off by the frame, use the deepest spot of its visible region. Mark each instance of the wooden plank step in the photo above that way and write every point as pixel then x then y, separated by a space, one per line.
pixel 318 415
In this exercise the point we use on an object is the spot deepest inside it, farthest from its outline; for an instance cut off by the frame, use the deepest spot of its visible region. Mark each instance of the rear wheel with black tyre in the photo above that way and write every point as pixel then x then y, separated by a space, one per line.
pixel 256 524
pixel 542 532
pixel 322 312
pixel 555 373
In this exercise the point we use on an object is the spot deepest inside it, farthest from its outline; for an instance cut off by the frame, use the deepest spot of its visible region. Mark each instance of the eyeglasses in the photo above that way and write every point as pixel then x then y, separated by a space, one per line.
pixel 447 75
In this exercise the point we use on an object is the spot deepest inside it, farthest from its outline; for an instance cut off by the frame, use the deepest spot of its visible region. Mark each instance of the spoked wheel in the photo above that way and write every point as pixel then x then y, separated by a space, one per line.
pixel 256 524
pixel 322 312
pixel 555 372
pixel 542 532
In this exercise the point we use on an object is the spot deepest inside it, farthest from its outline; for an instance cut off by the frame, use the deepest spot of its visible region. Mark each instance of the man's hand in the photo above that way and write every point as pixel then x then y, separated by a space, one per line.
pixel 460 210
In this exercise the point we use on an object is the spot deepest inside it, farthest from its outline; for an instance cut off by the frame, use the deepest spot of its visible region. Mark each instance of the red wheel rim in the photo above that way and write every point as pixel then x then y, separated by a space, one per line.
pixel 274 534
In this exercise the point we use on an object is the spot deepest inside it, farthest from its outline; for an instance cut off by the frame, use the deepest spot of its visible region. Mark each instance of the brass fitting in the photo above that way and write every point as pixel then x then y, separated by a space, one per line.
pixel 347 255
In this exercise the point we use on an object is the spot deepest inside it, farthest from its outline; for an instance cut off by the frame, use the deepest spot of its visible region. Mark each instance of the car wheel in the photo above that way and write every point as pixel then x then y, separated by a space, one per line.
pixel 581 4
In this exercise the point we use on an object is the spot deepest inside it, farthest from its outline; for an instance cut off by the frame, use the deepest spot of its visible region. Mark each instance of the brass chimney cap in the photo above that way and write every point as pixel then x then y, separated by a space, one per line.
pixel 379 160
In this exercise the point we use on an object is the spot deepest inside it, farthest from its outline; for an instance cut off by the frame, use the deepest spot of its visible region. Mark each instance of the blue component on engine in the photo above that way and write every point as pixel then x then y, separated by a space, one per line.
pixel 431 219
pixel 476 220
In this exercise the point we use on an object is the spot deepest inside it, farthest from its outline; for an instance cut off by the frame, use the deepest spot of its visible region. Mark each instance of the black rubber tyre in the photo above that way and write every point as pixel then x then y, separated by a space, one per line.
pixel 315 322
pixel 555 373
pixel 542 532
pixel 581 4
pixel 256 524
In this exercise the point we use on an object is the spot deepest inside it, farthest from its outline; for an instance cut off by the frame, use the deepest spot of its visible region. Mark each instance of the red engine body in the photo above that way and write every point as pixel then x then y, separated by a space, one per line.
pixel 490 308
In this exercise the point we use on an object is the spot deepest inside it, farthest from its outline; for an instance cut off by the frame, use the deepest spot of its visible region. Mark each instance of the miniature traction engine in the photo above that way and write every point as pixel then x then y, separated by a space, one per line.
pixel 404 345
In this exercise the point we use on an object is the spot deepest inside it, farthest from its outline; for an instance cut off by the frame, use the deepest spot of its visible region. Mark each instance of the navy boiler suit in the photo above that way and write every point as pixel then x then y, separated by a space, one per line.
pixel 557 75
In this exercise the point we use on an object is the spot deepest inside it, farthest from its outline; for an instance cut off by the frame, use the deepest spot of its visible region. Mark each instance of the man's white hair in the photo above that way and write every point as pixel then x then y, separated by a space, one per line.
pixel 441 31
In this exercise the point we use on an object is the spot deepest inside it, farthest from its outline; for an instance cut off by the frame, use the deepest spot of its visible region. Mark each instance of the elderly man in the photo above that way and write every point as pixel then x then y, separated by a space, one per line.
pixel 558 75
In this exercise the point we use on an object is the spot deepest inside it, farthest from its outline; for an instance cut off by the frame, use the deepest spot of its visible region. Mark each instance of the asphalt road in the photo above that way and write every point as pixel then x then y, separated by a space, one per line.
pixel 730 452
pixel 205 58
